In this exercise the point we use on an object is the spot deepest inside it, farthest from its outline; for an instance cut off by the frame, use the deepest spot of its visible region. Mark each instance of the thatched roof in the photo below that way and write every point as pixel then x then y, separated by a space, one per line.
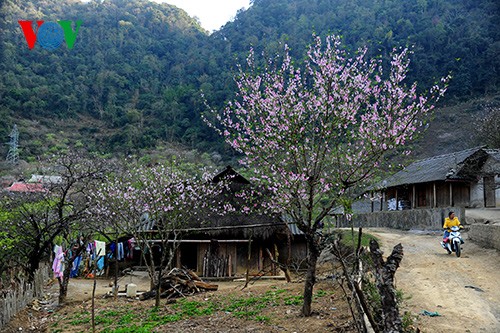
pixel 230 173
pixel 234 225
pixel 463 166
pixel 241 226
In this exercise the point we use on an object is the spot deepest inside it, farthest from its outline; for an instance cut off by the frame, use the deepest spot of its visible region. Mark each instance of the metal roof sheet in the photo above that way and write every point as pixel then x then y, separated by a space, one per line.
pixel 436 168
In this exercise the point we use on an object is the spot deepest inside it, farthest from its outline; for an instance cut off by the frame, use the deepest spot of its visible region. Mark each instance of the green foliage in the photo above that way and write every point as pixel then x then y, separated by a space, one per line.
pixel 320 293
pixel 350 238
pixel 294 300
pixel 128 318
pixel 188 308
pixel 134 77
pixel 408 322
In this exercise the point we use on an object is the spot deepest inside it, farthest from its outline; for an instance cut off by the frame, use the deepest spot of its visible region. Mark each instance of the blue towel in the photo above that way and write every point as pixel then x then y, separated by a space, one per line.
pixel 76 266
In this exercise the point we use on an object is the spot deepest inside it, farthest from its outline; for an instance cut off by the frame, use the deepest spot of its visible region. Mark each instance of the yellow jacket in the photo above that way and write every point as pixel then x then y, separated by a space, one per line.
pixel 448 223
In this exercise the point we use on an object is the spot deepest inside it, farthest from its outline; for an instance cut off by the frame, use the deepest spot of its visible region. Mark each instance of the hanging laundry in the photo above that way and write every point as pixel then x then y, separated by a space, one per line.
pixel 112 247
pixel 100 263
pixel 121 254
pixel 76 267
pixel 131 245
pixel 90 246
pixel 58 264
pixel 100 248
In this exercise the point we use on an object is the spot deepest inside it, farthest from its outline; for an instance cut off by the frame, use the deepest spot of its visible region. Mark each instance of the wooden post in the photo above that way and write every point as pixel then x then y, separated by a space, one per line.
pixel 261 259
pixel 178 258
pixel 414 197
pixel 451 195
pixel 276 254
pixel 93 290
pixel 248 261
pixel 397 205
pixel 434 197
pixel 115 292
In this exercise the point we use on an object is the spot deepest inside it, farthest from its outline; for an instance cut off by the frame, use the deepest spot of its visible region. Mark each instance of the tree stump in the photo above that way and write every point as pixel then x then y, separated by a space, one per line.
pixel 384 274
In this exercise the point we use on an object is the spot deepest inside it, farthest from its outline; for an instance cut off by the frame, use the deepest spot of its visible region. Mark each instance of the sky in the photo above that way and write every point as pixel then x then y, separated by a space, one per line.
pixel 212 13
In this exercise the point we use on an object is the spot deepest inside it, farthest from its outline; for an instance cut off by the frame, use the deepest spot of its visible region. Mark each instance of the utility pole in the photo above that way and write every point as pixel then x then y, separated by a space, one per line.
pixel 13 154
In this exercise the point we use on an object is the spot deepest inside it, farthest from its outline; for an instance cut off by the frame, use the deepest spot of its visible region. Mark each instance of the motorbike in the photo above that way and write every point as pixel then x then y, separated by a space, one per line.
pixel 454 241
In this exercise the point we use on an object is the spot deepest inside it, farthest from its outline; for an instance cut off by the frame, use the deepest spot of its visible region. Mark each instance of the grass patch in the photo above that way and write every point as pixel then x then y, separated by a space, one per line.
pixel 121 319
pixel 251 307
pixel 127 318
pixel 350 238
pixel 294 300
pixel 80 319
pixel 321 293
pixel 188 308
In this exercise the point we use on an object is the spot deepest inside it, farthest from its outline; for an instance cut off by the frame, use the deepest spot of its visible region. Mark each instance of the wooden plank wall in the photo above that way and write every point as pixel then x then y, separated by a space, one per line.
pixel 14 300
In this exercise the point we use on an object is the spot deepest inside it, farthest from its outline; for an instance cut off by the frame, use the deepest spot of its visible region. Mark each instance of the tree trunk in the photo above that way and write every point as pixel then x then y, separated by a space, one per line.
pixel 115 290
pixel 312 259
pixel 34 264
pixel 384 273
pixel 158 288
pixel 93 300
pixel 63 282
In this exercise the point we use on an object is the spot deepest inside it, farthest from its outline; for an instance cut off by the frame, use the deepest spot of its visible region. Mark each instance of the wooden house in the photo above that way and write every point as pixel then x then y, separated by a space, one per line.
pixel 236 243
pixel 232 244
pixel 467 178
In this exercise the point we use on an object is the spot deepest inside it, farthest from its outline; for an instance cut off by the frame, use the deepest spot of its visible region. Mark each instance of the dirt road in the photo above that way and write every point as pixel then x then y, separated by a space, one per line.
pixel 465 291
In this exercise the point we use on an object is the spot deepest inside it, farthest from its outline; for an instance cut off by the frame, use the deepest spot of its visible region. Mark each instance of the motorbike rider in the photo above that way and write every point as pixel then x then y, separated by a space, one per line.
pixel 450 221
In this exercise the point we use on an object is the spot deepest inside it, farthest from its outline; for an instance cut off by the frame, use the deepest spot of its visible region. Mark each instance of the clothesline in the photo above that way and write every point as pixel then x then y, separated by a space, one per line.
pixel 95 250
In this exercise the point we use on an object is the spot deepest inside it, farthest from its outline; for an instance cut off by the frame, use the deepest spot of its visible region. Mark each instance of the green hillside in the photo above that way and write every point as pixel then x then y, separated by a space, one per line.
pixel 134 78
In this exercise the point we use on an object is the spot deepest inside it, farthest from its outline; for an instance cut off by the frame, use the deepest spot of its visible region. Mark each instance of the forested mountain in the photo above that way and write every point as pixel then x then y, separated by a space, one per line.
pixel 132 77
pixel 135 74
pixel 461 37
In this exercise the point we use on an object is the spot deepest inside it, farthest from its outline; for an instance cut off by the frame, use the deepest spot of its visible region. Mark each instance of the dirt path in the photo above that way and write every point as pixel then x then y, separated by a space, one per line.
pixel 436 281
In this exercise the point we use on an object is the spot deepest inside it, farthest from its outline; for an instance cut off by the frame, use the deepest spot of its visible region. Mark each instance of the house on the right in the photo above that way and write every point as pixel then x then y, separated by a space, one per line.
pixel 467 178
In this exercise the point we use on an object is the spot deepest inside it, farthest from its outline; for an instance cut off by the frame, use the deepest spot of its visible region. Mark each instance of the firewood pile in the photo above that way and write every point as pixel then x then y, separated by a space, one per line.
pixel 179 283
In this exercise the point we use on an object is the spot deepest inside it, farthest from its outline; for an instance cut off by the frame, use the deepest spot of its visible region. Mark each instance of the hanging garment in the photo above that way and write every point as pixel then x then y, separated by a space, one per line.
pixel 112 247
pixel 100 263
pixel 131 245
pixel 90 246
pixel 58 264
pixel 100 248
pixel 121 254
pixel 76 267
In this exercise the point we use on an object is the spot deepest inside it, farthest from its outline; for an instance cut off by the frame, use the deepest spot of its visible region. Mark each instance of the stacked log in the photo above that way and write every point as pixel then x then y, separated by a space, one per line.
pixel 179 283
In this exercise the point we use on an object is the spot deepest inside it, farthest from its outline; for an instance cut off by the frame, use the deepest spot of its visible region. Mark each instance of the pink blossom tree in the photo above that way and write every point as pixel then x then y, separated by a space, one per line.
pixel 312 133
pixel 154 204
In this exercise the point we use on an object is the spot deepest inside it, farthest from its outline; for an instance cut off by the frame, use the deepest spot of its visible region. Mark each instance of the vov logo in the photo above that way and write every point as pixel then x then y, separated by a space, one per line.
pixel 50 35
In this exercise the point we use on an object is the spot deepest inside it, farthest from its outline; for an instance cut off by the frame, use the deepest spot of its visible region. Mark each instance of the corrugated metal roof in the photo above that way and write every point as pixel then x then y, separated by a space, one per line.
pixel 24 187
pixel 45 179
pixel 294 229
pixel 436 168
pixel 495 153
